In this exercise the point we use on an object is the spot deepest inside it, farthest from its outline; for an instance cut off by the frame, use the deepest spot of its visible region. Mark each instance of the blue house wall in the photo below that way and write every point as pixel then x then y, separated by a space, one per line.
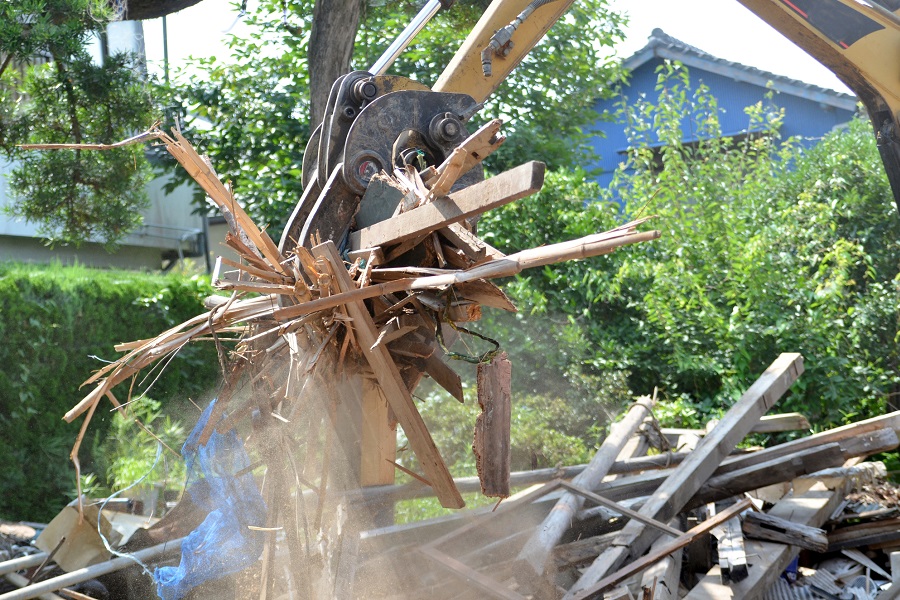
pixel 810 112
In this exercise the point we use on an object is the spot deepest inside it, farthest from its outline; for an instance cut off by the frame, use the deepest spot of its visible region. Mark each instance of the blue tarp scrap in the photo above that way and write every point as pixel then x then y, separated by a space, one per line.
pixel 223 543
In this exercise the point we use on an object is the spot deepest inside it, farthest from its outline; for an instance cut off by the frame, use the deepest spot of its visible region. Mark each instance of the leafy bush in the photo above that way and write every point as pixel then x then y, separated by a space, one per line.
pixel 59 324
pixel 767 247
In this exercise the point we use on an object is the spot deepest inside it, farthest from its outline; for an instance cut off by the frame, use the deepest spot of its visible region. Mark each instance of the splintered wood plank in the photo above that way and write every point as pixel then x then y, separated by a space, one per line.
pixel 391 383
pixel 492 435
pixel 675 492
pixel 504 188
pixel 763 526
pixel 769 559
pixel 379 438
pixel 444 376
pixel 472 246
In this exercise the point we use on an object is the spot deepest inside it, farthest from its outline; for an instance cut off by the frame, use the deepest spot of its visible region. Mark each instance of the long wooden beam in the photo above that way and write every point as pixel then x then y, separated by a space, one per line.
pixel 687 479
pixel 391 383
pixel 501 189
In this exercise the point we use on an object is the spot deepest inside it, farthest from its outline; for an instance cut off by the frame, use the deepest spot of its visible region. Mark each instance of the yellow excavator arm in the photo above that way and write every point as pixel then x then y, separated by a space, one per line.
pixel 859 40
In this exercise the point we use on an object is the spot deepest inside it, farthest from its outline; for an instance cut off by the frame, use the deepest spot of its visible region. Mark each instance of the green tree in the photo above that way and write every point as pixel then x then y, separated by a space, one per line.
pixel 767 247
pixel 52 91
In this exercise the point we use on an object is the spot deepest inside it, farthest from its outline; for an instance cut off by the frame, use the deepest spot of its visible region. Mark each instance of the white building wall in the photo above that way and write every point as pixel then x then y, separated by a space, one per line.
pixel 170 229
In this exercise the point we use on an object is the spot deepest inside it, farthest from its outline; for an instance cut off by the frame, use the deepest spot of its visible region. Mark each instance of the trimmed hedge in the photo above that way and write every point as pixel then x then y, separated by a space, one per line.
pixel 57 325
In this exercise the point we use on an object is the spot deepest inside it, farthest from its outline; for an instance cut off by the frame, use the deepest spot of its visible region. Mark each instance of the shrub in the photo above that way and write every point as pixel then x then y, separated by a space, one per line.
pixel 59 324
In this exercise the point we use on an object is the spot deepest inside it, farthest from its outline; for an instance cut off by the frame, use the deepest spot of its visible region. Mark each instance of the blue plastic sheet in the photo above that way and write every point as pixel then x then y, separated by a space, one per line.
pixel 222 544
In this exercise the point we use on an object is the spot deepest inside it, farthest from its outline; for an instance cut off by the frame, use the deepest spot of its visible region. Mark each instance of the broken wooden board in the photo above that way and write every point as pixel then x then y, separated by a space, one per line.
pixel 491 445
pixel 378 446
pixel 764 526
pixel 502 189
pixel 686 480
pixel 395 391
pixel 475 249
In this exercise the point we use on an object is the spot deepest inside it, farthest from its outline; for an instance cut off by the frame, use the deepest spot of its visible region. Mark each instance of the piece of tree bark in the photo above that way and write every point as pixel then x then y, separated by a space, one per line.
pixel 763 526
pixel 686 480
pixel 491 445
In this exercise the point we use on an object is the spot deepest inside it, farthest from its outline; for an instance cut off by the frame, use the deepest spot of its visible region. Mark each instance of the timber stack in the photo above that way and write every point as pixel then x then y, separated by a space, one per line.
pixel 322 342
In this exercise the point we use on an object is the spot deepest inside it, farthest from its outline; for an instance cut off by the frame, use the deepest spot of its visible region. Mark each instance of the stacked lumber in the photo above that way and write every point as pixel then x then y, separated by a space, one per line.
pixel 713 522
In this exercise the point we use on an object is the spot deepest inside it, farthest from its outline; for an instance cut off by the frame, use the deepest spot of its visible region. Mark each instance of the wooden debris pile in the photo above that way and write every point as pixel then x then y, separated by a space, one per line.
pixel 321 348
pixel 322 344
pixel 803 519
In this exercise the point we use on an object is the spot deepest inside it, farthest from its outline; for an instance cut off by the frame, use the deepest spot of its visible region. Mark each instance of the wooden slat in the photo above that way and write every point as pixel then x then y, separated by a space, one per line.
pixel 395 391
pixel 675 492
pixel 504 188
pixel 378 447
pixel 623 510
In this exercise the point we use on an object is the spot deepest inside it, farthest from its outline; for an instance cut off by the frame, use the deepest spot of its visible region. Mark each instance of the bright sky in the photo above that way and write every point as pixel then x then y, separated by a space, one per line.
pixel 723 28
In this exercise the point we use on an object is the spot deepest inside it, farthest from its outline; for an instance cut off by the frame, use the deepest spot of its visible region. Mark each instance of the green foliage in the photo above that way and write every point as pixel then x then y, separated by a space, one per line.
pixel 130 452
pixel 767 247
pixel 73 195
pixel 56 322
pixel 257 99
